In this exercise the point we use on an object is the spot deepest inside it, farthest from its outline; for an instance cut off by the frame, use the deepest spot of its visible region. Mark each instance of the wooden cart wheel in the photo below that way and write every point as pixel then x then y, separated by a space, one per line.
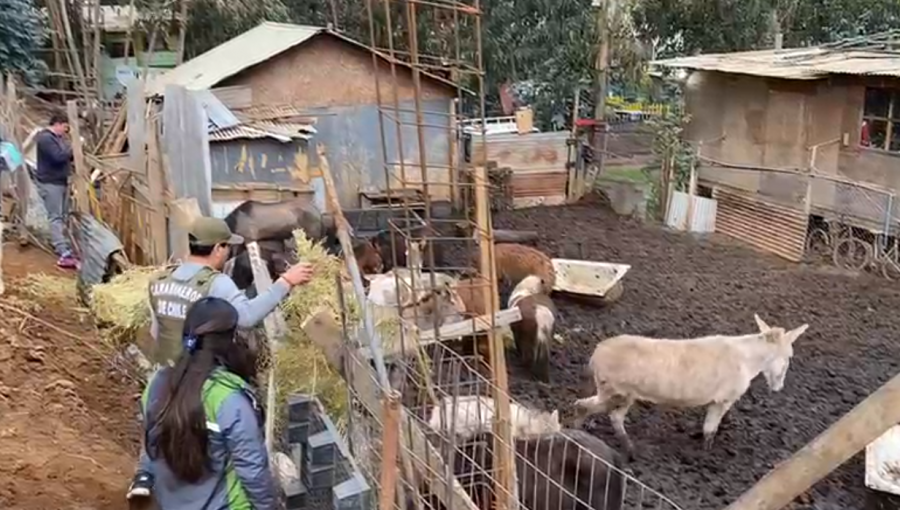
pixel 852 254
pixel 890 269
pixel 818 244
pixel 614 293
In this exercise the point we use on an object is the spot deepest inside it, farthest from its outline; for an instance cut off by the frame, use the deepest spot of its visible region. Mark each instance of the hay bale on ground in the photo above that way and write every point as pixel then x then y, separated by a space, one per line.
pixel 121 307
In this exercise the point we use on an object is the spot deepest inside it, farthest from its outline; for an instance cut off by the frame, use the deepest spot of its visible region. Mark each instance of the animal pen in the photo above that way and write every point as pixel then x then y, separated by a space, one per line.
pixel 407 370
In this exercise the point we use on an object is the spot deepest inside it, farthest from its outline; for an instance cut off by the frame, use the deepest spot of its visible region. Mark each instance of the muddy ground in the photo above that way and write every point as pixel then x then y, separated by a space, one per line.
pixel 680 286
pixel 68 428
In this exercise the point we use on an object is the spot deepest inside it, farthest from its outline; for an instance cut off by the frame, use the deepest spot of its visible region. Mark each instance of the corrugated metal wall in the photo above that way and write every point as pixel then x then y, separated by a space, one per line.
pixel 352 139
pixel 764 225
pixel 265 160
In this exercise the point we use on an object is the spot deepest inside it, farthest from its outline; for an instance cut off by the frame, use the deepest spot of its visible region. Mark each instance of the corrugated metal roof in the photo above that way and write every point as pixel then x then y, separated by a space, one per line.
pixel 273 112
pixel 248 49
pixel 283 132
pixel 793 64
pixel 233 56
pixel 220 117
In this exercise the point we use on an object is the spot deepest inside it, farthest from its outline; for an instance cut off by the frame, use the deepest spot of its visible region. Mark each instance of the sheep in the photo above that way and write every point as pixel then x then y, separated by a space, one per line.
pixel 534 332
pixel 713 371
pixel 516 261
pixel 474 414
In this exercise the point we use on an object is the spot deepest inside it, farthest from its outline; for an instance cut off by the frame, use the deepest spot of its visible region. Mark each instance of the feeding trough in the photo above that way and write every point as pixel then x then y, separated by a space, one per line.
pixel 589 280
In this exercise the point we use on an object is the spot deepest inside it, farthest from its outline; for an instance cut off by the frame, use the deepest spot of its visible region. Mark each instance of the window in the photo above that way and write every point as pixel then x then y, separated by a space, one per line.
pixel 881 120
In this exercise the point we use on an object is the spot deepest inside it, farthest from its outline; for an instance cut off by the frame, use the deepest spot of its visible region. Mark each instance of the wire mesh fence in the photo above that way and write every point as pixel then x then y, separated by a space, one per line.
pixel 809 216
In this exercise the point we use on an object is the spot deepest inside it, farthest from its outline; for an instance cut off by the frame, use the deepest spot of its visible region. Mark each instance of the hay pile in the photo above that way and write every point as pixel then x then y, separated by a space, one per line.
pixel 300 366
pixel 49 288
pixel 121 307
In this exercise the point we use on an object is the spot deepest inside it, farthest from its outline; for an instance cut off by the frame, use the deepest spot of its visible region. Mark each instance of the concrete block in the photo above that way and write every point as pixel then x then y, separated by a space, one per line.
pixel 319 477
pixel 300 408
pixel 352 494
pixel 321 449
pixel 298 433
pixel 296 494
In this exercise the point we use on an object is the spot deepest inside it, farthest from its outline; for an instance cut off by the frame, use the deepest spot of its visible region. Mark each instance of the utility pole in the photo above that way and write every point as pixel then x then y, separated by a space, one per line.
pixel 601 86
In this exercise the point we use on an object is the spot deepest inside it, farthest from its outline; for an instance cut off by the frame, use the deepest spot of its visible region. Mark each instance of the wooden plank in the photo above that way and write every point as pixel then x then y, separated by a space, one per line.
pixel 844 439
pixel 136 127
pixel 390 442
pixel 467 327
pixel 182 213
pixel 159 238
pixel 82 205
pixel 275 328
pixel 187 146
pixel 505 481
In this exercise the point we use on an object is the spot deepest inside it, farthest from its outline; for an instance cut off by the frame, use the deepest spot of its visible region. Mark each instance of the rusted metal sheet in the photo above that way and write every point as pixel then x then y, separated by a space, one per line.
pixel 539 184
pixel 764 225
pixel 528 152
pixel 537 161
pixel 96 242
pixel 703 212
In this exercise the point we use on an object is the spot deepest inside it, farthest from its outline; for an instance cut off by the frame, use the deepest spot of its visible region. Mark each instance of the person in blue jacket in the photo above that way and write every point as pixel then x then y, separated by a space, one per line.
pixel 202 425
pixel 54 167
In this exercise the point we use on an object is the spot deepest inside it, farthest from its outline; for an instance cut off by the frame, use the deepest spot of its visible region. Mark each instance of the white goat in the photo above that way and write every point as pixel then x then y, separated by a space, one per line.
pixel 475 414
pixel 713 371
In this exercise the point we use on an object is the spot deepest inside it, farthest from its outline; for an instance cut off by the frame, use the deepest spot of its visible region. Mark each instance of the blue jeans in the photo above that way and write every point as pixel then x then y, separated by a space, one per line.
pixel 56 201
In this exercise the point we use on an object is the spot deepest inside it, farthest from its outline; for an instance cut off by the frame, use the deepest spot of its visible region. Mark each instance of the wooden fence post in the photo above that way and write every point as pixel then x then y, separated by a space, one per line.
pixel 856 429
pixel 82 177
pixel 275 331
pixel 390 442
pixel 504 483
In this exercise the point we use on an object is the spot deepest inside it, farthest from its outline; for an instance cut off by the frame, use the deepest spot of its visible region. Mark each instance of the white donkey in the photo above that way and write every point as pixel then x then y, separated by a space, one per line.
pixel 713 371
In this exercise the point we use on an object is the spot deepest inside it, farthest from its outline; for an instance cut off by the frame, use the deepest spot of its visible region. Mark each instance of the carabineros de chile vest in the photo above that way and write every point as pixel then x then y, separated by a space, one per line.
pixel 170 299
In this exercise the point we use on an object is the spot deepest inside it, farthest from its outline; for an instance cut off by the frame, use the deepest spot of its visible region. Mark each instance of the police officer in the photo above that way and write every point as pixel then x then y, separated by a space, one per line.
pixel 174 289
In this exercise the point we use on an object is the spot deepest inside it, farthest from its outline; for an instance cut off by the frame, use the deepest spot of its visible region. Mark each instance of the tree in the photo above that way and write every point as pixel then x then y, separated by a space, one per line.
pixel 22 33
pixel 686 27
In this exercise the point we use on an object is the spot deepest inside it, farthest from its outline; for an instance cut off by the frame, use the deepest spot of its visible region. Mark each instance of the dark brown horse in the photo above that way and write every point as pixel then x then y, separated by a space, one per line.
pixel 255 221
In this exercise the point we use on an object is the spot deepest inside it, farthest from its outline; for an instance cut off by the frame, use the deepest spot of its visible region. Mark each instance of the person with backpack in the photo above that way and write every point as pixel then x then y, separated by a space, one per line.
pixel 203 427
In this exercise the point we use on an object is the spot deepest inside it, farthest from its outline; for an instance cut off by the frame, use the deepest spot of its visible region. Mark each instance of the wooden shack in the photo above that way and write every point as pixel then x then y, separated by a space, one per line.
pixel 291 73
pixel 785 134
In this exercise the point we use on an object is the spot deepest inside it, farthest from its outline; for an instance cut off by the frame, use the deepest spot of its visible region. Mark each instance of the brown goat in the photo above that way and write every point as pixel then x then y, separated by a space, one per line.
pixel 534 333
pixel 516 261
pixel 368 257
pixel 471 292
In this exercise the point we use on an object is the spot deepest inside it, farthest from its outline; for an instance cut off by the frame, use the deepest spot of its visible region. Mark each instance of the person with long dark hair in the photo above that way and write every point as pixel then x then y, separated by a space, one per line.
pixel 202 425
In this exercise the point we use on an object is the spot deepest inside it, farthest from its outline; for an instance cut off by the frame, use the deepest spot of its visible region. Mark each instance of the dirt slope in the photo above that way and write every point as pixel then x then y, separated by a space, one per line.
pixel 680 287
pixel 68 434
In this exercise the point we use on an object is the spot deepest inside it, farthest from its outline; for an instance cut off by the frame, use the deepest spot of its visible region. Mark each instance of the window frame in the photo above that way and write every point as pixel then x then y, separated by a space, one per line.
pixel 889 120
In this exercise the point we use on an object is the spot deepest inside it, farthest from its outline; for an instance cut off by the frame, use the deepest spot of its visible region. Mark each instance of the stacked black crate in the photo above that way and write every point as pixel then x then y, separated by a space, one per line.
pixel 300 414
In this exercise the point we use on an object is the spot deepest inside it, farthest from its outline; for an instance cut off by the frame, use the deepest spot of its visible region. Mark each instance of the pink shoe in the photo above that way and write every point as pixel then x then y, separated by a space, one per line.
pixel 67 262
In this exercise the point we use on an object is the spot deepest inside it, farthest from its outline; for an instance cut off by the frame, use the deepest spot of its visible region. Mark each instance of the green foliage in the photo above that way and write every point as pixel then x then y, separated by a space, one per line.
pixel 672 156
pixel 22 33
pixel 686 27
pixel 212 22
